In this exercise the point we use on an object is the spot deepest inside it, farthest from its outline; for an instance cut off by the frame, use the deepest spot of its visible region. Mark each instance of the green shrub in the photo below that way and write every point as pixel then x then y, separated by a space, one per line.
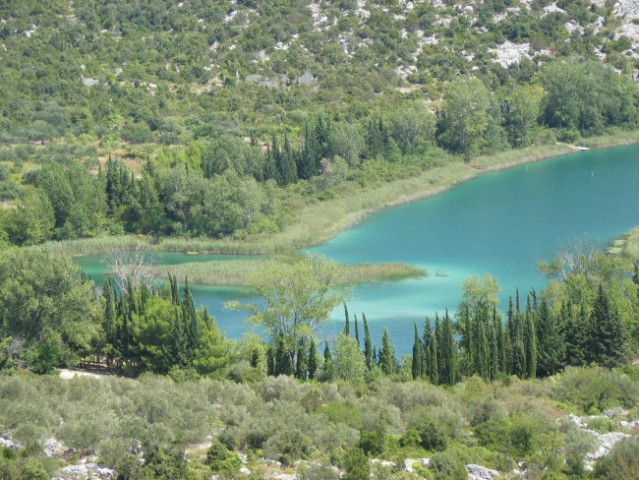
pixel 221 460
pixel 355 464
pixel 622 463
pixel 595 389
pixel 447 467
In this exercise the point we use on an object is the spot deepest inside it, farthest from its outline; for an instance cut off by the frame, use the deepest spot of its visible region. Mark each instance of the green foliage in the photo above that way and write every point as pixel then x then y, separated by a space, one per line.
pixel 447 467
pixel 355 464
pixel 595 389
pixel 45 301
pixel 299 296
pixel 621 463
pixel 348 361
pixel 221 460
pixel 465 118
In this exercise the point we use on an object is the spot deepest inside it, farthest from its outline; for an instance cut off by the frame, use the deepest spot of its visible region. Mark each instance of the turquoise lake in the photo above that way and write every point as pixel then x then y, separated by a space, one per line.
pixel 503 223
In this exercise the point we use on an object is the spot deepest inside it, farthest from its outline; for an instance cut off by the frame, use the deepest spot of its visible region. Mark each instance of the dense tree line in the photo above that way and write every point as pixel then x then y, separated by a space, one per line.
pixel 53 318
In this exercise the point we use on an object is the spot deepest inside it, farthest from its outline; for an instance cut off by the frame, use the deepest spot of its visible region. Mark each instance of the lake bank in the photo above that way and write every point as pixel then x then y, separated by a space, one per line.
pixel 318 223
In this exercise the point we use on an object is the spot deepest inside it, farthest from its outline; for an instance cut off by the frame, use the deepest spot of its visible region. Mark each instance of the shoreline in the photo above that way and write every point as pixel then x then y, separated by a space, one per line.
pixel 301 234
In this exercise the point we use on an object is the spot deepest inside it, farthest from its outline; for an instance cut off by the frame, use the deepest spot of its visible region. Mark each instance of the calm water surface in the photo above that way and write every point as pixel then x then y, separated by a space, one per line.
pixel 503 223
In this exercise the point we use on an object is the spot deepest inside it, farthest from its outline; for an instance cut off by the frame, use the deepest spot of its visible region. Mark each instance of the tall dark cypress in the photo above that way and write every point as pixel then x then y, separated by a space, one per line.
pixel 429 352
pixel 551 344
pixel 417 355
pixel 327 359
pixel 499 337
pixel 369 352
pixel 301 366
pixel 283 362
pixel 449 352
pixel 308 160
pixel 607 342
pixel 530 341
pixel 387 360
pixel 270 361
pixel 173 285
pixel 190 319
pixel 109 320
pixel 494 353
pixel 312 360
pixel 347 323
pixel 437 339
pixel 356 329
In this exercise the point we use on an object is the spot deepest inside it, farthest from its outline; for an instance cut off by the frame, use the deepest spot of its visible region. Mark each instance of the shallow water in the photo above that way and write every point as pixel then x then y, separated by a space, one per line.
pixel 503 223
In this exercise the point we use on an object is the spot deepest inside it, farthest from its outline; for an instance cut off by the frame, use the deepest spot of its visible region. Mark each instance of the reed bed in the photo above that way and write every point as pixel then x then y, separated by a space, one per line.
pixel 238 272
pixel 98 245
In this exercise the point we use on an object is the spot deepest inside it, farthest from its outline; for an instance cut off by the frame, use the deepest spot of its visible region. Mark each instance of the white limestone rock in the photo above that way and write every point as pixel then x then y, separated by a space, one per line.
pixel 479 472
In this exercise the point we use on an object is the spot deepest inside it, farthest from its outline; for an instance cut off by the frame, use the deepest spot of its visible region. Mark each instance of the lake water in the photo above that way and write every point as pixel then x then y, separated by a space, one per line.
pixel 503 223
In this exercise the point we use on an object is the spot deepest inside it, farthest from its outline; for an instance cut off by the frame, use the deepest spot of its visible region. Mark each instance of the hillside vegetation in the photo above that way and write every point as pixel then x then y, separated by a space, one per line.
pixel 236 119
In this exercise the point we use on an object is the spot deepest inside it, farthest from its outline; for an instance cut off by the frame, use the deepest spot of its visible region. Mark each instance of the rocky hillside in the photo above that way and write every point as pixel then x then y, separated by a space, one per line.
pixel 157 70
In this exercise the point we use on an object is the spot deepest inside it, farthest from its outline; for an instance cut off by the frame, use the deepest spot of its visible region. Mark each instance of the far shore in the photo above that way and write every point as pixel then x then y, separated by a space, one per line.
pixel 321 222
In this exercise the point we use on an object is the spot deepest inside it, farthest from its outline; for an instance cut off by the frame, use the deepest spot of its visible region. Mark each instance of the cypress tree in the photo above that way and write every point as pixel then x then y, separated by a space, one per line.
pixel 175 296
pixel 607 340
pixel 493 368
pixel 530 341
pixel 347 323
pixel 551 344
pixel 387 359
pixel 301 366
pixel 437 338
pixel 356 330
pixel 429 352
pixel 449 353
pixel 270 361
pixel 255 358
pixel 501 346
pixel 189 316
pixel 109 320
pixel 176 351
pixel 308 160
pixel 369 351
pixel 327 355
pixel 417 355
pixel 312 360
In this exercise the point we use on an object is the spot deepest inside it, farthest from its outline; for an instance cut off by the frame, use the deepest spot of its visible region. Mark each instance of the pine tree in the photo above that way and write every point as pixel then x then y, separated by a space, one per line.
pixel 387 358
pixel 369 352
